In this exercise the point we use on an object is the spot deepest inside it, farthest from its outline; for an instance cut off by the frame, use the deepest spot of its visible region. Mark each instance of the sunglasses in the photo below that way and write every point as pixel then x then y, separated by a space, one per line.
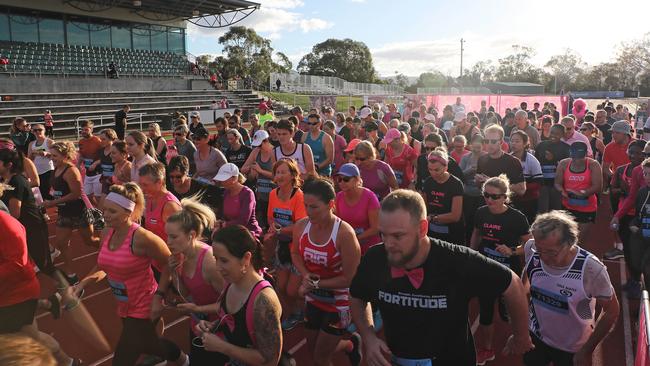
pixel 491 141
pixel 360 159
pixel 313 123
pixel 345 179
pixel 493 196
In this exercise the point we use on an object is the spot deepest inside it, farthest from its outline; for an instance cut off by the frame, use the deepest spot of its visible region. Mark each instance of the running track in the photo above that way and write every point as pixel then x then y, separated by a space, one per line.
pixel 616 349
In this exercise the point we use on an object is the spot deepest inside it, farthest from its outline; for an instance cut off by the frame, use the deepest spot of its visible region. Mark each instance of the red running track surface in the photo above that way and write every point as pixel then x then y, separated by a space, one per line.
pixel 616 349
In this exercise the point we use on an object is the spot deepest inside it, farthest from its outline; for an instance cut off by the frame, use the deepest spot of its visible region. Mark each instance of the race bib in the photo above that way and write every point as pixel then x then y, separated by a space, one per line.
pixel 438 228
pixel 107 170
pixel 495 255
pixel 88 163
pixel 399 175
pixel 398 361
pixel 119 290
pixel 554 302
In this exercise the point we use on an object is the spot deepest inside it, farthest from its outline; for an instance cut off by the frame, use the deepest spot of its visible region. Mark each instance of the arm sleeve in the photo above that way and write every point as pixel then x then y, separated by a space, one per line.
pixel 246 208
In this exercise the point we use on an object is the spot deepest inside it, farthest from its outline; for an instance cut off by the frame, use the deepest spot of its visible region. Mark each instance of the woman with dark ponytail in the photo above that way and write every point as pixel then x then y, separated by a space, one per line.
pixel 250 333
pixel 140 147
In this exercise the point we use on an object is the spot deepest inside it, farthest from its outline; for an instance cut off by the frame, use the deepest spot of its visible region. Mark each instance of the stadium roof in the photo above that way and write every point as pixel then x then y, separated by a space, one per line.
pixel 204 13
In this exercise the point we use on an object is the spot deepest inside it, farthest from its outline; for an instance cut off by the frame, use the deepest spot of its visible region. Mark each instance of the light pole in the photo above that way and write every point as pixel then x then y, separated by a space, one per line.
pixel 462 41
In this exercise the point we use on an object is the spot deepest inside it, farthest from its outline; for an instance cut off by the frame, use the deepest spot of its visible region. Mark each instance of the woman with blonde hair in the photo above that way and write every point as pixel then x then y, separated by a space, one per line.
pixel 376 174
pixel 126 256
pixel 499 233
pixel 194 270
pixel 159 143
pixel 161 203
pixel 72 211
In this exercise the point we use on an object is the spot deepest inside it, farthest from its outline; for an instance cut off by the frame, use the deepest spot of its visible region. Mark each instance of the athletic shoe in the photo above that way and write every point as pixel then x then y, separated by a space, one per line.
pixel 54 253
pixel 483 356
pixel 292 320
pixel 614 254
pixel 355 355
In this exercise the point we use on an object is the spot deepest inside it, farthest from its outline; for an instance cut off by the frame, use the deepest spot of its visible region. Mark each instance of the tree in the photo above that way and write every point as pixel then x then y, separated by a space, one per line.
pixel 246 54
pixel 565 70
pixel 347 59
pixel 431 79
pixel 481 72
pixel 634 62
pixel 284 65
pixel 203 60
pixel 517 67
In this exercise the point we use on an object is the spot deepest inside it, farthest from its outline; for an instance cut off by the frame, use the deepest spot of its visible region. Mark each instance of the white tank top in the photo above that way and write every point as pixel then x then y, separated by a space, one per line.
pixel 560 311
pixel 295 155
pixel 43 163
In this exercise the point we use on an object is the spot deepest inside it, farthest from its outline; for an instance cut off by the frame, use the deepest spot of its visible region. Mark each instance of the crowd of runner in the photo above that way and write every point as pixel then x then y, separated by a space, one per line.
pixel 373 227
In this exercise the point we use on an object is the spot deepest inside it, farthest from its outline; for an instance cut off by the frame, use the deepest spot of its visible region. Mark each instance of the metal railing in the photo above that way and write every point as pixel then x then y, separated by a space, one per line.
pixel 298 83
pixel 453 90
pixel 108 120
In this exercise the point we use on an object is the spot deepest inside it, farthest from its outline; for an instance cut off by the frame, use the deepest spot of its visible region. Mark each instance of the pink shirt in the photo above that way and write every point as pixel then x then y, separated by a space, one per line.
pixel 357 215
pixel 153 220
pixel 199 289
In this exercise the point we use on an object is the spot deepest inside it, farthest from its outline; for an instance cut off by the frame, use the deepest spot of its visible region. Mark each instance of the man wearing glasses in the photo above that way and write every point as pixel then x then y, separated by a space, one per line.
pixel 184 146
pixel 496 162
pixel 566 283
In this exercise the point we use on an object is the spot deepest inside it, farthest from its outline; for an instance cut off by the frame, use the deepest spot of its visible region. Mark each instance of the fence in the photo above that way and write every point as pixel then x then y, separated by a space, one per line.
pixel 451 90
pixel 297 83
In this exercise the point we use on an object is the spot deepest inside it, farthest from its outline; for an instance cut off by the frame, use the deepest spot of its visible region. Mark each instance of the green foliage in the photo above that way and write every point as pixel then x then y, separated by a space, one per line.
pixel 292 99
pixel 347 59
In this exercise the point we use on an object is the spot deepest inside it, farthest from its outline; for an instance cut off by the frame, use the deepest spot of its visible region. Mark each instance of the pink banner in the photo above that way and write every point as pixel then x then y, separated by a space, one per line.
pixel 499 102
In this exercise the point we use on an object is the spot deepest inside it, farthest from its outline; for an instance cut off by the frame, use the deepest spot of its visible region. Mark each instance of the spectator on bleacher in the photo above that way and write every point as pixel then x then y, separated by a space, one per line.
pixel 224 103
pixel 234 122
pixel 4 62
pixel 214 105
pixel 237 153
pixel 49 124
pixel 278 84
pixel 207 159
pixel 39 152
pixel 159 143
pixel 183 146
pixel 120 121
pixel 112 71
pixel 21 135
pixel 195 122
pixel 213 79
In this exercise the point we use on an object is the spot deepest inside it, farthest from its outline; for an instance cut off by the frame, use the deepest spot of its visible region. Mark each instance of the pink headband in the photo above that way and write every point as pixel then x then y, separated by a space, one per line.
pixel 433 158
pixel 7 145
pixel 121 201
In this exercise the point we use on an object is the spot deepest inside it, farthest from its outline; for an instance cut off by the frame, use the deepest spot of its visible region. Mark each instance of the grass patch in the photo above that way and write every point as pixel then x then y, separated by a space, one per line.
pixel 293 99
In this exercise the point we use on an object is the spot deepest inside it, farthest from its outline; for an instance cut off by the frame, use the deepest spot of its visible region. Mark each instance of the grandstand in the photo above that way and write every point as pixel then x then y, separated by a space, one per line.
pixel 58 54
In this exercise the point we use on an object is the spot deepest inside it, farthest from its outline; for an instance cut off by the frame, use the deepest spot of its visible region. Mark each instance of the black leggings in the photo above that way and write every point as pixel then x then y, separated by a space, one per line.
pixel 543 355
pixel 46 185
pixel 38 245
pixel 139 337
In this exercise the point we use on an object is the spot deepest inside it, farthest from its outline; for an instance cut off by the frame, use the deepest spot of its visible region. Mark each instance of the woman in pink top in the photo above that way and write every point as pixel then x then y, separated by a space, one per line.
pixel 194 270
pixel 238 200
pixel 126 255
pixel 401 157
pixel 160 203
pixel 357 206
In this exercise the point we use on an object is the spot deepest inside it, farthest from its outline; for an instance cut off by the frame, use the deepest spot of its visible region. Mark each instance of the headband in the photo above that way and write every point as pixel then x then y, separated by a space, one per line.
pixel 433 158
pixel 7 145
pixel 121 201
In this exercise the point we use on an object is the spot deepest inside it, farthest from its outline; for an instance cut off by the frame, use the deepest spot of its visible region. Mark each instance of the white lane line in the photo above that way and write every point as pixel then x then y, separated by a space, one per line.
pixel 298 345
pixel 627 327
pixel 108 357
pixel 85 298
pixel 79 258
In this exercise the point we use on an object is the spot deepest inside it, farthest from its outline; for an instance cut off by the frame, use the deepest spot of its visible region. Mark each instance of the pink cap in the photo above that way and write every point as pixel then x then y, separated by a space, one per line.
pixel 391 135
pixel 353 143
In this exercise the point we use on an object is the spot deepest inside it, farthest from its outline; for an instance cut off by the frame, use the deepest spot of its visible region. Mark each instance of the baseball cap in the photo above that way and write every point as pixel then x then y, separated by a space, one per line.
pixel 226 172
pixel 259 136
pixel 365 112
pixel 622 127
pixel 404 127
pixel 578 150
pixel 391 135
pixel 372 126
pixel 353 143
pixel 430 117
pixel 194 114
pixel 459 116
pixel 348 170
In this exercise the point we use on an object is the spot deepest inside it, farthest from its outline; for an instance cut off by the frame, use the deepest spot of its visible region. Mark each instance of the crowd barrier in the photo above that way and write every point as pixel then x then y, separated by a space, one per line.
pixel 499 101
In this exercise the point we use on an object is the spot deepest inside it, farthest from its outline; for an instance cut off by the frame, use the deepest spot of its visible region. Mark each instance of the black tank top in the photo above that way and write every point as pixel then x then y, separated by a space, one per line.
pixel 239 335
pixel 61 188
pixel 162 157
pixel 106 164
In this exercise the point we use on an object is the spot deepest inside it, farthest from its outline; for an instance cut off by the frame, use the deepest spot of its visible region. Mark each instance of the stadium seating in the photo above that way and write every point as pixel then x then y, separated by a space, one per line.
pixel 146 106
pixel 47 58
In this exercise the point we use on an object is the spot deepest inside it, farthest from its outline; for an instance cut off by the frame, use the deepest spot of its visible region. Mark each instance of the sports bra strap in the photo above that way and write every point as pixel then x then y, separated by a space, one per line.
pixel 250 308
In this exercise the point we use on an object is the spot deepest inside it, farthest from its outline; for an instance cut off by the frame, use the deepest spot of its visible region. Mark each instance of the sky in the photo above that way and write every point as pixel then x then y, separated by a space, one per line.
pixel 415 36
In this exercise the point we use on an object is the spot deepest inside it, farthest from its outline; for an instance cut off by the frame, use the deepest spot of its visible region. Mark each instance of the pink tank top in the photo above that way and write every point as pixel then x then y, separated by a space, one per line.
pixel 153 215
pixel 576 182
pixel 130 276
pixel 199 290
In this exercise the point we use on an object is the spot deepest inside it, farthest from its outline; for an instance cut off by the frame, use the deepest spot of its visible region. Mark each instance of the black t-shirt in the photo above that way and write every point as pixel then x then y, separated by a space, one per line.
pixel 193 128
pixel 297 136
pixel 120 126
pixel 439 197
pixel 345 132
pixel 506 164
pixel 29 212
pixel 606 128
pixel 210 195
pixel 549 155
pixel 238 157
pixel 432 321
pixel 504 229
pixel 422 170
